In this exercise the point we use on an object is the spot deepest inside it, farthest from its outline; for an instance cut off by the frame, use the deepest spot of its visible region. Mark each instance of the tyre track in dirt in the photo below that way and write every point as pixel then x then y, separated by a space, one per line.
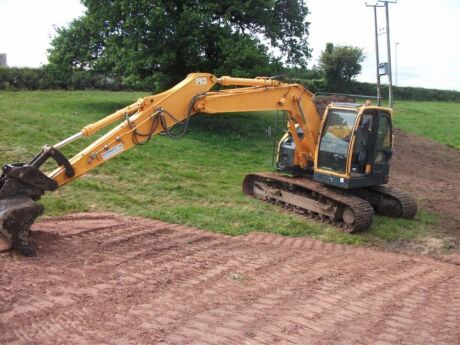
pixel 394 289
pixel 281 297
pixel 167 254
pixel 106 279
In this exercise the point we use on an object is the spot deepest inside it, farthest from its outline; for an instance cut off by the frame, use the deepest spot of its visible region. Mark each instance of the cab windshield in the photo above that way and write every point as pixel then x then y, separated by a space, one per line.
pixel 335 139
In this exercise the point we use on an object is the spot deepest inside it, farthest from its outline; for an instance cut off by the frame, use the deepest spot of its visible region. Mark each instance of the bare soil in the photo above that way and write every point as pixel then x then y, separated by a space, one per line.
pixel 106 279
pixel 431 172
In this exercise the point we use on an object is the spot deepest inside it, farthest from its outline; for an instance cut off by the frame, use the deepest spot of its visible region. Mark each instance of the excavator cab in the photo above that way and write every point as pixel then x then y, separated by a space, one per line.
pixel 355 146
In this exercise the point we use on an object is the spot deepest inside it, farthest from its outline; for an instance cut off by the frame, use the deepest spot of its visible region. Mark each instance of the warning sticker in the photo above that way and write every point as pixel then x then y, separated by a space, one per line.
pixel 113 151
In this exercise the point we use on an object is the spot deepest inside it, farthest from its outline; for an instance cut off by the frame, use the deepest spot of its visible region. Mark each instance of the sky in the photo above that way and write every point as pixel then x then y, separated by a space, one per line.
pixel 427 33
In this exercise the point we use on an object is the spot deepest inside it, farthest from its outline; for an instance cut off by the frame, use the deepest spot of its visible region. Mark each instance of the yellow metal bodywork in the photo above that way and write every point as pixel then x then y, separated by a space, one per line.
pixel 259 94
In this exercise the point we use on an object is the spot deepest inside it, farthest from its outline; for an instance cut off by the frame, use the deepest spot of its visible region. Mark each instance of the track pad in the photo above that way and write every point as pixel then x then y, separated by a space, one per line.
pixel 17 214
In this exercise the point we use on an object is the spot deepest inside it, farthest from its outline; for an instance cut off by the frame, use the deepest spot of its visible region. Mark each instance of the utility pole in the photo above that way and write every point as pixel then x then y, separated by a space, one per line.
pixel 377 62
pixel 390 79
pixel 385 67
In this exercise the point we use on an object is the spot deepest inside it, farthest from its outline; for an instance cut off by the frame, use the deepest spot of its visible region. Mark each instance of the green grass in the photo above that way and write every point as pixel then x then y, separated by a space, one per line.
pixel 195 180
pixel 439 121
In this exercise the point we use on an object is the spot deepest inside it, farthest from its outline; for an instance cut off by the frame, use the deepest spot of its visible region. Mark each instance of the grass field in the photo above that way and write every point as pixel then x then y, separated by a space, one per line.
pixel 195 180
pixel 439 121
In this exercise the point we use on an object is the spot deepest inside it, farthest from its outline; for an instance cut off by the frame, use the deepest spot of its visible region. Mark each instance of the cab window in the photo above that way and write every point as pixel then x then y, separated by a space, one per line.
pixel 384 133
pixel 335 140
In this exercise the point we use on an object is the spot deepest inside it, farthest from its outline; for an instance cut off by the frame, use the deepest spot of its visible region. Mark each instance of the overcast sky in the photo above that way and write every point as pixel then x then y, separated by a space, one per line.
pixel 428 33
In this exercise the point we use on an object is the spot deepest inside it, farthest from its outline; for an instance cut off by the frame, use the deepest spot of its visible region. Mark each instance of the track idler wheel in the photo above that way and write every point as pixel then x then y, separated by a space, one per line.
pixel 17 214
pixel 348 216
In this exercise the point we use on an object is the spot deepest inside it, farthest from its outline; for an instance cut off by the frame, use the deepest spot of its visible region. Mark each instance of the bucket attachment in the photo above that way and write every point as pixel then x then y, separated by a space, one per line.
pixel 17 214
pixel 21 185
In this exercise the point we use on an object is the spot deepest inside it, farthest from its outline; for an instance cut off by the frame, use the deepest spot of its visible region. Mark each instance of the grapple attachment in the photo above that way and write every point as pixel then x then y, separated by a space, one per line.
pixel 21 185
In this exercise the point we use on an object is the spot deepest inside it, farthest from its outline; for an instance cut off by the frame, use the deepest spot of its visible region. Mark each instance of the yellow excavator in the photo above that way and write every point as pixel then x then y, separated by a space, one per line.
pixel 331 167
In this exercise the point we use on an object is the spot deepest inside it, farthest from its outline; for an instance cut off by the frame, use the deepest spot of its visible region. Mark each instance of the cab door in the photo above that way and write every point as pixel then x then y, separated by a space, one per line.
pixel 383 145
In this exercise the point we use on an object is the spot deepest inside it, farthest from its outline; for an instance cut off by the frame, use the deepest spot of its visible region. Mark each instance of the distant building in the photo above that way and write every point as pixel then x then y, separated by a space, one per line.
pixel 2 59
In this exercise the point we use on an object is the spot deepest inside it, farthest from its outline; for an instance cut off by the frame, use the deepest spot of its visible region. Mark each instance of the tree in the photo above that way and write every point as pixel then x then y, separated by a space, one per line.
pixel 340 64
pixel 160 41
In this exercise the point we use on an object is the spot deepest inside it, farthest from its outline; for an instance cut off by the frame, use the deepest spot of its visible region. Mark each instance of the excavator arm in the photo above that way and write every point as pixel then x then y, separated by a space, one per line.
pixel 156 114
pixel 21 185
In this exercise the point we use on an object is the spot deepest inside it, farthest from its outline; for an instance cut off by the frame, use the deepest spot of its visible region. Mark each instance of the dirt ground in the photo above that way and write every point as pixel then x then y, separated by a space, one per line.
pixel 106 279
pixel 431 172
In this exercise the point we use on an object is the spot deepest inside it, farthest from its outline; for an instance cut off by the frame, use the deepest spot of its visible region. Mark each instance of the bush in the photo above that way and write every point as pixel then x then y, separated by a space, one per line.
pixel 50 77
pixel 369 89
pixel 19 78
pixel 314 85
pixel 406 93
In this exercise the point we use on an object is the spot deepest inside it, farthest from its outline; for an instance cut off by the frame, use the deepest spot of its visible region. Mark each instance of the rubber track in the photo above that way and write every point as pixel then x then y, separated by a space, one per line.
pixel 407 202
pixel 361 208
